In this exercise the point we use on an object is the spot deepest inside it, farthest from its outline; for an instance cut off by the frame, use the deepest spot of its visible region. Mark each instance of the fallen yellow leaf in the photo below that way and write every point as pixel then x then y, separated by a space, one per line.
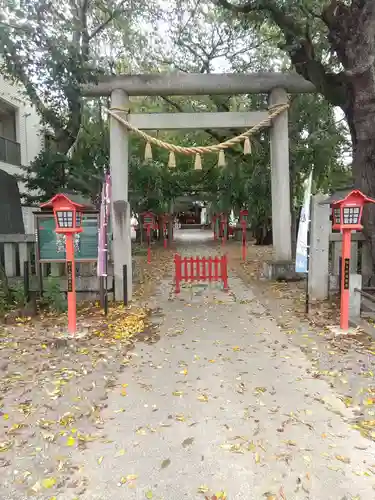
pixel 203 489
pixel 203 398
pixel 120 453
pixel 221 495
pixel 346 460
pixel 141 431
pixel 260 390
pixel 70 441
pixel 48 482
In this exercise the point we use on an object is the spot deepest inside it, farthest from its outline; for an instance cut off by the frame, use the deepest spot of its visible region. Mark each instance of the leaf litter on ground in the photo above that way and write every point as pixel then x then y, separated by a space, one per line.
pixel 40 360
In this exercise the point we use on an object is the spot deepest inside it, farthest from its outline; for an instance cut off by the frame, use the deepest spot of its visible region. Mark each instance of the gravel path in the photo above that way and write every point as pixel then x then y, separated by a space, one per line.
pixel 222 402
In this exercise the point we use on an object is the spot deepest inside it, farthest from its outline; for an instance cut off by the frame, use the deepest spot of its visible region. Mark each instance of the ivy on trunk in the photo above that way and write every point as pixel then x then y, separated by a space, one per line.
pixel 333 46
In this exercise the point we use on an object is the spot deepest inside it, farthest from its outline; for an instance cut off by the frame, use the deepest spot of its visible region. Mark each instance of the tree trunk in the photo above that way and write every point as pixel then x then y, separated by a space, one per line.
pixel 361 120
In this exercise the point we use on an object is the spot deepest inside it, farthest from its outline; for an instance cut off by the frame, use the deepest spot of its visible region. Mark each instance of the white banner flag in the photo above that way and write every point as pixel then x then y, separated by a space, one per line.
pixel 303 229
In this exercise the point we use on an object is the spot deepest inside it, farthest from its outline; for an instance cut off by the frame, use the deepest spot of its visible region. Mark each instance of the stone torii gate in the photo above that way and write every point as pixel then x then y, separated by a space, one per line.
pixel 120 88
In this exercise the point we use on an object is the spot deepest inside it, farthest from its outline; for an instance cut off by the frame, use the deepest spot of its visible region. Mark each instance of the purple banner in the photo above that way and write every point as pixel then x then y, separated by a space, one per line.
pixel 103 226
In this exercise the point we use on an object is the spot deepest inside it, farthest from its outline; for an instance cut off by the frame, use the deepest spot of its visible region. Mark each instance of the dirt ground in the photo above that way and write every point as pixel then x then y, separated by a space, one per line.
pixel 51 381
pixel 346 362
pixel 55 389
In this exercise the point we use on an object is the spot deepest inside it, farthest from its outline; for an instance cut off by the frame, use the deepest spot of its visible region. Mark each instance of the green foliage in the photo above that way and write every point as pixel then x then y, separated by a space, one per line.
pixel 53 297
pixel 53 48
pixel 68 56
pixel 18 295
pixel 82 171
pixel 11 297
pixel 46 175
pixel 250 43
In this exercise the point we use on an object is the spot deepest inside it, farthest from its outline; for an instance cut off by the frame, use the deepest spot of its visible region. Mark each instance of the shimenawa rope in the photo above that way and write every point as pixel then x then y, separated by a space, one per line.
pixel 198 150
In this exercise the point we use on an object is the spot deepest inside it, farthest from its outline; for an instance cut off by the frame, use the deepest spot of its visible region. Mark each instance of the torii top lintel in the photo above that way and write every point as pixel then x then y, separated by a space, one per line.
pixel 198 84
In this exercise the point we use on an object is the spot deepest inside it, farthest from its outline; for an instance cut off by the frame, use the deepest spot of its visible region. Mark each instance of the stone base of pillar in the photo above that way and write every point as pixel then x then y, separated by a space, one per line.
pixel 281 270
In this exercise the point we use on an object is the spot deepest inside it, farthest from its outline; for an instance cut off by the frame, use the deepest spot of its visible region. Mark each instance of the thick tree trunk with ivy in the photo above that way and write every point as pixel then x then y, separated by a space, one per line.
pixel 332 44
pixel 352 35
pixel 361 118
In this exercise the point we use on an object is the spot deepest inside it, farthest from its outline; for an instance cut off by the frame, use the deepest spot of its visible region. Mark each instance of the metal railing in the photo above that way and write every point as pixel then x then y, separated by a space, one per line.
pixel 10 151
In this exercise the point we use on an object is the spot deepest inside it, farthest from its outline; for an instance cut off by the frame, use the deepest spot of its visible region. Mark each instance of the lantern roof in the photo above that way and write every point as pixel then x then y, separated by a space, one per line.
pixel 342 195
pixel 75 199
pixel 355 194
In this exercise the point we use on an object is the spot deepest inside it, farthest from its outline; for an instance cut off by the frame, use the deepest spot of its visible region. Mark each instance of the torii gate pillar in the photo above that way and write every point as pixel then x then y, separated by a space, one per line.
pixel 281 217
pixel 119 154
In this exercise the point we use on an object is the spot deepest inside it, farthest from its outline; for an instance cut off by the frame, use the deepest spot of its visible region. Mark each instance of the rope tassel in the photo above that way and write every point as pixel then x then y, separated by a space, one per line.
pixel 247 146
pixel 221 160
pixel 172 160
pixel 148 152
pixel 198 162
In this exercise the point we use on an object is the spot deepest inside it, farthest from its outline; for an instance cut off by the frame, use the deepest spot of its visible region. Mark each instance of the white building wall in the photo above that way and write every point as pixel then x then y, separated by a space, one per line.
pixel 28 134
pixel 28 127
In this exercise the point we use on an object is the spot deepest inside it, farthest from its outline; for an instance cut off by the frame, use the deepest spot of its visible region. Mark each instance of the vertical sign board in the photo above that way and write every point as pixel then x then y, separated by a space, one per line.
pixel 346 274
pixel 69 269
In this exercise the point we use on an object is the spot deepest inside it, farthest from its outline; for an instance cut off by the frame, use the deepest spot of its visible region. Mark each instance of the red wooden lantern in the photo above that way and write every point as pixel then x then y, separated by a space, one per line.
pixel 148 219
pixel 243 215
pixel 347 213
pixel 68 219
pixel 346 217
pixel 68 214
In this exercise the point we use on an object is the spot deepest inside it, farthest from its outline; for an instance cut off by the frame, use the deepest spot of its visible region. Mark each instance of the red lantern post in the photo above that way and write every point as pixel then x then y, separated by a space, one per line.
pixel 68 219
pixel 148 223
pixel 346 216
pixel 243 221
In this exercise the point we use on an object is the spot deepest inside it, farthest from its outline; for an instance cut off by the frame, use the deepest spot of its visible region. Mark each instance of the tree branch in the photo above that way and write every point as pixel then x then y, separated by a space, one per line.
pixel 96 31
pixel 300 49
pixel 46 114
pixel 252 6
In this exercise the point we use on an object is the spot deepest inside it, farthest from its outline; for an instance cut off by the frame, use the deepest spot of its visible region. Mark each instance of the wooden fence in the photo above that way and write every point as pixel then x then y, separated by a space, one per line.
pixel 190 269
pixel 17 256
